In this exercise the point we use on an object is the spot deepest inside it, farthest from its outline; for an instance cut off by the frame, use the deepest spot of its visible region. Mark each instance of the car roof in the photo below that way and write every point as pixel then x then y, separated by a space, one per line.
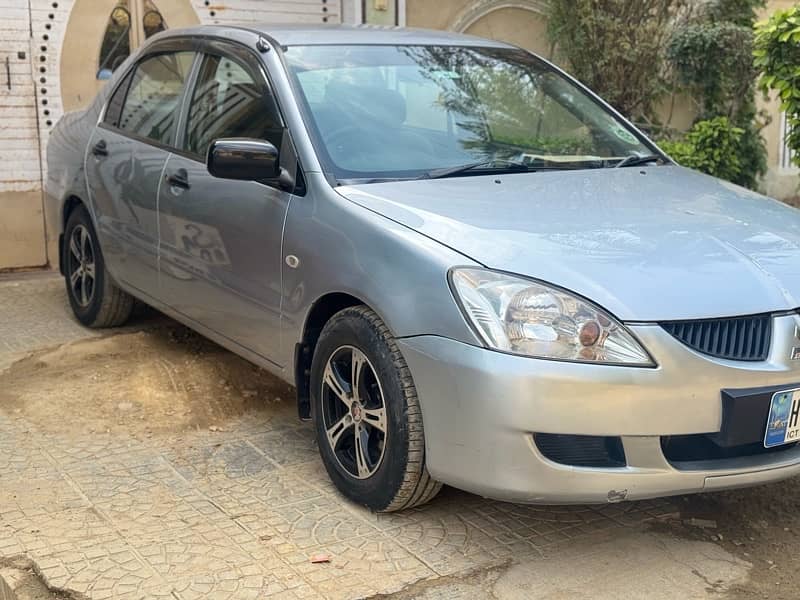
pixel 296 35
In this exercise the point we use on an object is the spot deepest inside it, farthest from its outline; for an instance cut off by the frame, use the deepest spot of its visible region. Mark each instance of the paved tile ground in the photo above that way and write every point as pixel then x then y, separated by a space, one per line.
pixel 33 314
pixel 235 513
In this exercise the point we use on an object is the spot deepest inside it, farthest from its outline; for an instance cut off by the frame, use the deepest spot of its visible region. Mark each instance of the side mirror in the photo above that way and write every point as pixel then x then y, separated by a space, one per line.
pixel 243 158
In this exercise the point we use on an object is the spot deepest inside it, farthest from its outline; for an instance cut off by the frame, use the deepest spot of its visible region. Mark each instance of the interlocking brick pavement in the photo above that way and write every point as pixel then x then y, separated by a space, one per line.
pixel 34 314
pixel 235 513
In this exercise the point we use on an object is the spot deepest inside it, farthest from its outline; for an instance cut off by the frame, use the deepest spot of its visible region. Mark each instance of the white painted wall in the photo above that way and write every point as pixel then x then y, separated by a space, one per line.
pixel 231 12
pixel 19 146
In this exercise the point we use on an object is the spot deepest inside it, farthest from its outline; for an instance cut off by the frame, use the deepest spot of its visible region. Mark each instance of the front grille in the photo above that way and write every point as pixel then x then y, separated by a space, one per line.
pixel 737 338
pixel 581 450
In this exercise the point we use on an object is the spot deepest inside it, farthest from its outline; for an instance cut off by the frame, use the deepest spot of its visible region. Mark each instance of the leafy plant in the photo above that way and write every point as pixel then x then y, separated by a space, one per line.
pixel 547 144
pixel 617 47
pixel 712 60
pixel 711 147
pixel 777 56
pixel 634 52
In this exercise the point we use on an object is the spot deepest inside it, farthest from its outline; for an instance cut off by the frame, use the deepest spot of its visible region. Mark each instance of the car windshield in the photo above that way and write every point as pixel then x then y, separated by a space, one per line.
pixel 391 112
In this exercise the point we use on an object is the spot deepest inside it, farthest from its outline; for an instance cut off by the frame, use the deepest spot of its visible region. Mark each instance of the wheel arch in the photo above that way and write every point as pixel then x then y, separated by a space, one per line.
pixel 318 315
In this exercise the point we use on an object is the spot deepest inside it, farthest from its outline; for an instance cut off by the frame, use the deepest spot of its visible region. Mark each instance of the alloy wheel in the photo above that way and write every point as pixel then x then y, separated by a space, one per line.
pixel 81 265
pixel 354 412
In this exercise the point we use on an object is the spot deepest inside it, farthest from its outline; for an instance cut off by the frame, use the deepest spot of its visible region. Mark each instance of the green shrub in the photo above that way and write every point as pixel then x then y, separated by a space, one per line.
pixel 711 147
pixel 712 60
pixel 680 150
pixel 617 48
pixel 777 56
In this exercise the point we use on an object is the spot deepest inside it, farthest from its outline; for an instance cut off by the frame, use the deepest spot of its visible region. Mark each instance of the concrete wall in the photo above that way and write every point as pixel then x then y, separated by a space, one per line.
pixel 22 221
pixel 520 22
pixel 52 48
pixel 519 26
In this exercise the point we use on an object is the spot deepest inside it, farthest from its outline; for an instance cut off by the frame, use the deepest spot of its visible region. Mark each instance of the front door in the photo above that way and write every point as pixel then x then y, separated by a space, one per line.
pixel 220 243
pixel 126 158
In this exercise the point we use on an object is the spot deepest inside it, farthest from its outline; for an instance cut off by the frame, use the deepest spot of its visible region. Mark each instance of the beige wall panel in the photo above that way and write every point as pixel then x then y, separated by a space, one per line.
pixel 772 132
pixel 433 14
pixel 21 230
pixel 517 26
pixel 781 181
pixel 677 112
pixel 79 52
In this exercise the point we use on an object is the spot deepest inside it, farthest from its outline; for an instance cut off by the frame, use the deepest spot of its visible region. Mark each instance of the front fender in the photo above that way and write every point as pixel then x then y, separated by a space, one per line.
pixel 345 248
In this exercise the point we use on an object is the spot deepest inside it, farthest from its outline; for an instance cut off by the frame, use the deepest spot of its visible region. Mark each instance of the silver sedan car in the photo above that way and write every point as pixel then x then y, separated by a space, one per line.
pixel 472 269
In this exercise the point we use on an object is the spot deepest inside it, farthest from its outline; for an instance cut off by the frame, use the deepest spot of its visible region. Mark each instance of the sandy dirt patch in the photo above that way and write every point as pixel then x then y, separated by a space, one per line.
pixel 158 380
pixel 169 380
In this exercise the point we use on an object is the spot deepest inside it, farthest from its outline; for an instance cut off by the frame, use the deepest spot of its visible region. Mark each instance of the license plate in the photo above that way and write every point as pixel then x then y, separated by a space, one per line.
pixel 783 423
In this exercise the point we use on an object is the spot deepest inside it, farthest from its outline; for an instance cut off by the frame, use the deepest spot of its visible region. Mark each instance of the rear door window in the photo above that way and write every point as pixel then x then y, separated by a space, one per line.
pixel 230 101
pixel 152 104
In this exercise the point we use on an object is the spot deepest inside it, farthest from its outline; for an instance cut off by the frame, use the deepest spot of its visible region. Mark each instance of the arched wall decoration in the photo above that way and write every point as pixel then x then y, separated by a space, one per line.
pixel 152 20
pixel 116 46
pixel 86 29
pixel 478 9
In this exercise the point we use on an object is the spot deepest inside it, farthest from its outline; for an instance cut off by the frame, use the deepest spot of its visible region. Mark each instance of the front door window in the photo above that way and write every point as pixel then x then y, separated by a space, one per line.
pixel 229 101
pixel 151 105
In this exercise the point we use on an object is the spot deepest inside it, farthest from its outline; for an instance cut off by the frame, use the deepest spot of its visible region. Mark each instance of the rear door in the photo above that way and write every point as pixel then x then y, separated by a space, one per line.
pixel 220 243
pixel 125 161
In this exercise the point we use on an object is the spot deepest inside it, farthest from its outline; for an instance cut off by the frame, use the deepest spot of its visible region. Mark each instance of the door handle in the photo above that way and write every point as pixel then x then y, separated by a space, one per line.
pixel 100 148
pixel 179 178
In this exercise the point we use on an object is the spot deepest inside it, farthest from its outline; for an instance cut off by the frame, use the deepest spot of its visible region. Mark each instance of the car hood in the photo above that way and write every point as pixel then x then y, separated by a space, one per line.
pixel 647 244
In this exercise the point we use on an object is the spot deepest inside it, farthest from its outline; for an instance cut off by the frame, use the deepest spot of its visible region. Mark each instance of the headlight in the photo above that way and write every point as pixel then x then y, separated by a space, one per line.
pixel 525 317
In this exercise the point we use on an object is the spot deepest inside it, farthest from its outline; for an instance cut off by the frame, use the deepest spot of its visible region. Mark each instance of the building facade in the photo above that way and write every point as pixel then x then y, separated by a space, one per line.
pixel 56 54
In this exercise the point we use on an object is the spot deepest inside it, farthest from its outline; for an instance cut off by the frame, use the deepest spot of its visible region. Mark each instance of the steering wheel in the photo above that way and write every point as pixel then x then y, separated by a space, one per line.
pixel 344 131
pixel 347 141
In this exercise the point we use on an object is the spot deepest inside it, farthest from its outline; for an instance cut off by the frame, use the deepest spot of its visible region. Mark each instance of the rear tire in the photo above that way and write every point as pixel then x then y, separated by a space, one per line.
pixel 95 300
pixel 371 440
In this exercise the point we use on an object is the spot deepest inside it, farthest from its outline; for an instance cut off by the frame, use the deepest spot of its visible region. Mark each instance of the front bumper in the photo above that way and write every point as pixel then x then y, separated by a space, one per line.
pixel 481 408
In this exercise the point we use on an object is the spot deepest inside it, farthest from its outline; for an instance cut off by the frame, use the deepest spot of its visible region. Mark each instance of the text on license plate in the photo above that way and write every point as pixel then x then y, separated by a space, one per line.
pixel 783 423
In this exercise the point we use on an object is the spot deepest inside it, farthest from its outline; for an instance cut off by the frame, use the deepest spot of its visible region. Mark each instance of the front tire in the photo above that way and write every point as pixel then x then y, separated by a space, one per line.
pixel 366 414
pixel 95 300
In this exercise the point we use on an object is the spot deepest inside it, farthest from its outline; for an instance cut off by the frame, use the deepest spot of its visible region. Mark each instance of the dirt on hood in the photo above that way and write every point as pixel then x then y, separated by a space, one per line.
pixel 158 380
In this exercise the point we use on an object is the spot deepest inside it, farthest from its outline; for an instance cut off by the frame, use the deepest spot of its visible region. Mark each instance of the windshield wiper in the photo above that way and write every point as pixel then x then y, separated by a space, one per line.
pixel 450 171
pixel 509 166
pixel 632 161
